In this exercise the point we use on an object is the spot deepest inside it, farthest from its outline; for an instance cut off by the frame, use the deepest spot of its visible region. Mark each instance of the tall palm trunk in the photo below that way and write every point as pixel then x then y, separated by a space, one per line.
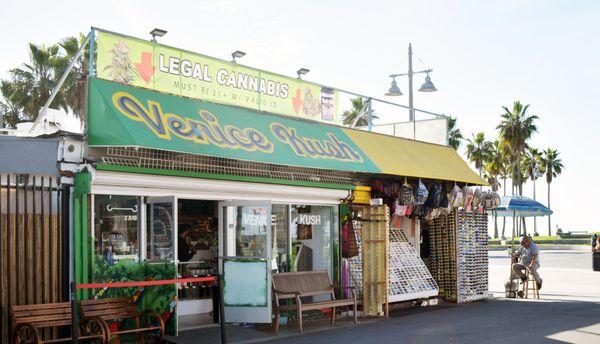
pixel 504 218
pixel 495 225
pixel 549 220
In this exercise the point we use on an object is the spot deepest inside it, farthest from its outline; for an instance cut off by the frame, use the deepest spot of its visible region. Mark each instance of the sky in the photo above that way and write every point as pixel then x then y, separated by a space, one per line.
pixel 484 54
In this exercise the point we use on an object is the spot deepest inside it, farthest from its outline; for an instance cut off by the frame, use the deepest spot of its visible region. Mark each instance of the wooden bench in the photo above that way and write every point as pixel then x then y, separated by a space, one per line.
pixel 296 286
pixel 147 324
pixel 31 321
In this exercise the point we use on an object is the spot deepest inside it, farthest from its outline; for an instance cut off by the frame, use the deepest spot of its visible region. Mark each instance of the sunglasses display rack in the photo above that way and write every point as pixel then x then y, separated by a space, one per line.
pixel 355 263
pixel 443 265
pixel 472 256
pixel 459 258
pixel 409 277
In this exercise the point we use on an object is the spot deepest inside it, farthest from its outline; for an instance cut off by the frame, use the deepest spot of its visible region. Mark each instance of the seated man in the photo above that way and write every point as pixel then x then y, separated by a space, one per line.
pixel 529 256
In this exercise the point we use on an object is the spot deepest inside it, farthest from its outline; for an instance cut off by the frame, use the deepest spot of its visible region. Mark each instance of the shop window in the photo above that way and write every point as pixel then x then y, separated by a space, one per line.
pixel 280 222
pixel 245 231
pixel 116 227
pixel 311 238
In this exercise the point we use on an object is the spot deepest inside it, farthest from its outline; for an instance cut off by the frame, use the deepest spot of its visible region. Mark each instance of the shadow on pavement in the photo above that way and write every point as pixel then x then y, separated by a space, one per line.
pixel 497 321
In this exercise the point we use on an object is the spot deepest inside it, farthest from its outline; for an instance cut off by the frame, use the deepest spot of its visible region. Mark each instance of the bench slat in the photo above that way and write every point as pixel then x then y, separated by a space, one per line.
pixel 17 316
pixel 111 315
pixel 43 318
pixel 40 306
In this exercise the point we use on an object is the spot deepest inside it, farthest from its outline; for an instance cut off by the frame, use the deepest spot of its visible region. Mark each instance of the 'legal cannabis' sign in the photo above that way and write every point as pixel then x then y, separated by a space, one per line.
pixel 151 65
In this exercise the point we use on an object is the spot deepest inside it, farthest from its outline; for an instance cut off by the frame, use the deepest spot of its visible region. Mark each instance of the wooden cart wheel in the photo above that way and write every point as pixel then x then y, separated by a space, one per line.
pixel 151 318
pixel 94 327
pixel 26 334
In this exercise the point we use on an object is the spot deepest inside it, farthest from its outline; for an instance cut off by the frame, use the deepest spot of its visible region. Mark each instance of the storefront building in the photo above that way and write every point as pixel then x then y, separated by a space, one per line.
pixel 162 195
pixel 177 187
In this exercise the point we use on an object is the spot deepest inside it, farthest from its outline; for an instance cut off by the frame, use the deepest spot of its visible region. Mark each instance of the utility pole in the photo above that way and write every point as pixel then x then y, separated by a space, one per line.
pixel 411 109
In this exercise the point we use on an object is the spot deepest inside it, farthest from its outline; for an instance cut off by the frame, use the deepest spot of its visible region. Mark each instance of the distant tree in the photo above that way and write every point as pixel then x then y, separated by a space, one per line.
pixel 72 93
pixel 455 137
pixel 516 128
pixel 494 167
pixel 349 116
pixel 35 80
pixel 552 166
pixel 531 163
pixel 10 105
pixel 478 151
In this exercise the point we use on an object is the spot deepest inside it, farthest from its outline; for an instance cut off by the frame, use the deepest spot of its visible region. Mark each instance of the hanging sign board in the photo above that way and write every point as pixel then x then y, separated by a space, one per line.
pixel 158 67
pixel 126 116
pixel 120 115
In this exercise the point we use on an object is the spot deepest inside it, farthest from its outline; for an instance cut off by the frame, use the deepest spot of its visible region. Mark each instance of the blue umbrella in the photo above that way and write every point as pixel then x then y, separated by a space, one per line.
pixel 517 206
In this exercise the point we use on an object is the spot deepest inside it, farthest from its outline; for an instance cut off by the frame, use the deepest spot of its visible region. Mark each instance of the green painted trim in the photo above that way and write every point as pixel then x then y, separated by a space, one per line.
pixel 83 181
pixel 177 173
pixel 81 237
pixel 76 240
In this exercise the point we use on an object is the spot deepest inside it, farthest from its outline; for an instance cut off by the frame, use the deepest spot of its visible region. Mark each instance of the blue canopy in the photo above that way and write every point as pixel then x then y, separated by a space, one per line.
pixel 517 206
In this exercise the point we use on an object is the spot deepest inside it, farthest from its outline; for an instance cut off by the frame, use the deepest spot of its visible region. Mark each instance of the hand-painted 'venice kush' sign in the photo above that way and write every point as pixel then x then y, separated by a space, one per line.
pixel 121 115
pixel 151 65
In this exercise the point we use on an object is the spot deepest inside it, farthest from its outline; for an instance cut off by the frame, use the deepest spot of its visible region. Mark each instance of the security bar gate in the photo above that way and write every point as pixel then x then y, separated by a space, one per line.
pixel 33 243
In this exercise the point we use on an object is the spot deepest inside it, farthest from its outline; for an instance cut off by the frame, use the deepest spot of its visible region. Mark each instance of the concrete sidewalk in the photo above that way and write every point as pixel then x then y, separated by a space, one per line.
pixel 497 321
pixel 264 333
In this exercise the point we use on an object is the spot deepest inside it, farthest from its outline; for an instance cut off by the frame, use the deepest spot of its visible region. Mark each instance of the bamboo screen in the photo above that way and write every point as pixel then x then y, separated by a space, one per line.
pixel 33 244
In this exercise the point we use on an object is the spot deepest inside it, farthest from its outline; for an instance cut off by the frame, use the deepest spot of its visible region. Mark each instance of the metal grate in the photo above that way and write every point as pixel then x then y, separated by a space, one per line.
pixel 152 158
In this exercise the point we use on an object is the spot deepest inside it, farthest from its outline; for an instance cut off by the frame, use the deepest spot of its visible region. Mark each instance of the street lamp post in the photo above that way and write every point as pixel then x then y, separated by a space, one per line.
pixel 426 87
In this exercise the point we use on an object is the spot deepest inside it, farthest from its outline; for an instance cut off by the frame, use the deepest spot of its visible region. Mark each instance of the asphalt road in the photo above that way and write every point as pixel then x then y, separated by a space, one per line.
pixel 498 321
pixel 567 275
pixel 568 312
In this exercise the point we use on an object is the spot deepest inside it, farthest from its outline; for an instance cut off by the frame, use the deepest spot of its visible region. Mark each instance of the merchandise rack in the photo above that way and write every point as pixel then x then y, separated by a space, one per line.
pixel 459 258
pixel 409 277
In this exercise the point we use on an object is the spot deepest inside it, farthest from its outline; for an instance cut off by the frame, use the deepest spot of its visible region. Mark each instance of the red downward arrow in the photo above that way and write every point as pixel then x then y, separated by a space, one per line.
pixel 146 68
pixel 297 100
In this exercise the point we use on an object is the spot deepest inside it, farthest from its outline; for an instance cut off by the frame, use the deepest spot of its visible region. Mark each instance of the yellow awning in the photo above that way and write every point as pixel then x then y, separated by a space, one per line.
pixel 403 157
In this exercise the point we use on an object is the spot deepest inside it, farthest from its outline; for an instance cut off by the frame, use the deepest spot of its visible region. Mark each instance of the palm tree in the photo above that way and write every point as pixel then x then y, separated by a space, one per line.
pixel 349 116
pixel 531 163
pixel 504 161
pixel 531 170
pixel 552 166
pixel 454 135
pixel 35 80
pixel 494 167
pixel 516 128
pixel 72 93
pixel 10 105
pixel 358 109
pixel 478 150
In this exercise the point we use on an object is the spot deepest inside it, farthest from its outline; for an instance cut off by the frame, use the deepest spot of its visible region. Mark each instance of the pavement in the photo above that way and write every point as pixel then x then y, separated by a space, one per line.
pixel 568 312
pixel 567 275
pixel 497 321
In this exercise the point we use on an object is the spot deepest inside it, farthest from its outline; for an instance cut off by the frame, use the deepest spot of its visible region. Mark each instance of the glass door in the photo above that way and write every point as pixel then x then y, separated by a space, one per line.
pixel 159 248
pixel 161 225
pixel 245 260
